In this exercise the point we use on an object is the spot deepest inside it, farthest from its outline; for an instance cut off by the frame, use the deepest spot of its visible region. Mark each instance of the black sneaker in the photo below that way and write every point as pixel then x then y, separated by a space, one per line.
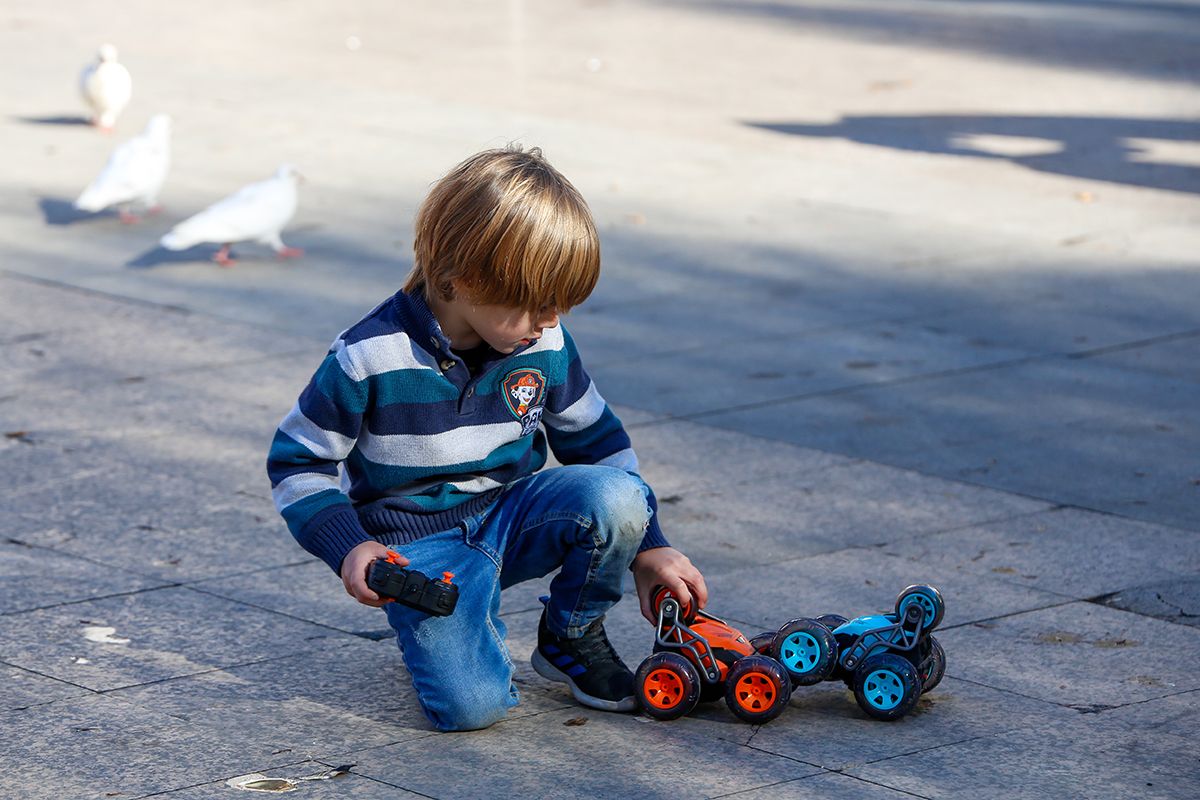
pixel 589 665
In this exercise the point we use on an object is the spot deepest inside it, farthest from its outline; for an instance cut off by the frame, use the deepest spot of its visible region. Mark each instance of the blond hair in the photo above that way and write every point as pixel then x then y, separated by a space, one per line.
pixel 511 230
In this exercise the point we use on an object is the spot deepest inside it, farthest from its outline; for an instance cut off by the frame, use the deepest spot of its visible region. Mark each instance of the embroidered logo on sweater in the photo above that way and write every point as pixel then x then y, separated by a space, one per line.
pixel 525 394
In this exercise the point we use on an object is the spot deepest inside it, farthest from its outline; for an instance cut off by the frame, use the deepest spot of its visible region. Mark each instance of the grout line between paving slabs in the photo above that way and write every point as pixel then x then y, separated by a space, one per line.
pixel 811 777
pixel 293 765
pixel 1053 505
pixel 176 372
pixel 50 677
pixel 137 301
pixel 926 376
pixel 803 333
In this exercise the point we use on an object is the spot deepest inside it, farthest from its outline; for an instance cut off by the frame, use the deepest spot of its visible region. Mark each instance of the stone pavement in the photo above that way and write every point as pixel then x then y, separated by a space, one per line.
pixel 893 292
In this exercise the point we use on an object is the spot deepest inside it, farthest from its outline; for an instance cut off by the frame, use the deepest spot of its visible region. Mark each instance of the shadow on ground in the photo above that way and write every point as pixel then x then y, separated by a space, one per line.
pixel 56 119
pixel 1148 39
pixel 57 211
pixel 1113 149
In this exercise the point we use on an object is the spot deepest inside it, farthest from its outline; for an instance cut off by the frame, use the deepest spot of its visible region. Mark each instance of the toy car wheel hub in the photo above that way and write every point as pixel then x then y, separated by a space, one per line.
pixel 663 688
pixel 755 692
pixel 924 602
pixel 800 652
pixel 883 689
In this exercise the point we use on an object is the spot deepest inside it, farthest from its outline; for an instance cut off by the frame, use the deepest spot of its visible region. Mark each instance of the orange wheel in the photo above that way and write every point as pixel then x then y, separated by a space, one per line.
pixel 754 692
pixel 757 689
pixel 663 688
pixel 687 614
pixel 668 686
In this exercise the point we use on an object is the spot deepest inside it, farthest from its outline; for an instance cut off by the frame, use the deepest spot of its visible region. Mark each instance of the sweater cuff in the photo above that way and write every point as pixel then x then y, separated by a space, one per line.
pixel 654 535
pixel 332 534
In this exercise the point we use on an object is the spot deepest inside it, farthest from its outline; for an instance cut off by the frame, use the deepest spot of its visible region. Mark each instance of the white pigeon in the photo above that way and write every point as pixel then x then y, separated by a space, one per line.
pixel 134 174
pixel 106 87
pixel 257 212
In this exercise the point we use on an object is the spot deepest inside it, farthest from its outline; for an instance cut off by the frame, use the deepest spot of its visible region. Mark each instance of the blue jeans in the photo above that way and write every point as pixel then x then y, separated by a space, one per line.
pixel 586 519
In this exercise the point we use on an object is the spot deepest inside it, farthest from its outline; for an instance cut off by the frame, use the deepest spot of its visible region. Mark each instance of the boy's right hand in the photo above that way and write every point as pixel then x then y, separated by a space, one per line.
pixel 354 572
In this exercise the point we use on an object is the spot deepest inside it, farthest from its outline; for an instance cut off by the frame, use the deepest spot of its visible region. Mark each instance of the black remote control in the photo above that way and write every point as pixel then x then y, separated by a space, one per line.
pixel 412 588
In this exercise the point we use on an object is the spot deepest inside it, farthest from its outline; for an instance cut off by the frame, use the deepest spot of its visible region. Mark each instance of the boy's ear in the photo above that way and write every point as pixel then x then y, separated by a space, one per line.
pixel 462 289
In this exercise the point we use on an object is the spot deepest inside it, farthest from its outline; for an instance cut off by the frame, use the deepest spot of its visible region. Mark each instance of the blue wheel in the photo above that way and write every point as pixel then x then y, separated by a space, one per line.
pixel 927 598
pixel 807 650
pixel 887 686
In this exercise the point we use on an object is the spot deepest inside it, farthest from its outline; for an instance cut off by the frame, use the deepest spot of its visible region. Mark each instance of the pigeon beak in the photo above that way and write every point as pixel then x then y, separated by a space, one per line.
pixel 301 178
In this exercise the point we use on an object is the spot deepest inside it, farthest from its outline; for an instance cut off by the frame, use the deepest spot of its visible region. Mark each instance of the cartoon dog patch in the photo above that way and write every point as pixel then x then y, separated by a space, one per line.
pixel 525 394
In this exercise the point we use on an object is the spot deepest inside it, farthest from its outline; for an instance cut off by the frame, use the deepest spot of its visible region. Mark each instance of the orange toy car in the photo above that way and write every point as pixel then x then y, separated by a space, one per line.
pixel 698 657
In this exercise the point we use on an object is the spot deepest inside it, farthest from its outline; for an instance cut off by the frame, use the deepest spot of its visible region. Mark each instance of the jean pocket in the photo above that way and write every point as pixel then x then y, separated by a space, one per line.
pixel 479 536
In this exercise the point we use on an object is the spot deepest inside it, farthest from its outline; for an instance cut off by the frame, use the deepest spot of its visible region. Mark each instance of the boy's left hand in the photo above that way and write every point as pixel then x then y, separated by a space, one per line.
pixel 666 566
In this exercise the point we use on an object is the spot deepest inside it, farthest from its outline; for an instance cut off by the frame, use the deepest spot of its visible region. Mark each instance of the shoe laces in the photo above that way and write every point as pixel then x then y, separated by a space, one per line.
pixel 594 644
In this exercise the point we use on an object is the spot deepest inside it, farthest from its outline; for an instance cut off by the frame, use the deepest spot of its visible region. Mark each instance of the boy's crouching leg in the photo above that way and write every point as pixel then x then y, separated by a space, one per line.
pixel 460 665
pixel 591 580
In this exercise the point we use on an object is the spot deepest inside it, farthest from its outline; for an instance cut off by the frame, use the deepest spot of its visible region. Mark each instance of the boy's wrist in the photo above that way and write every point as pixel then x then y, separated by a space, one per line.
pixel 332 534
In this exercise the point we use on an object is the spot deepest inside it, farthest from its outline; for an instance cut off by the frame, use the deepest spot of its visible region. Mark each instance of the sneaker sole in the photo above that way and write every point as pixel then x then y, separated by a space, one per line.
pixel 551 673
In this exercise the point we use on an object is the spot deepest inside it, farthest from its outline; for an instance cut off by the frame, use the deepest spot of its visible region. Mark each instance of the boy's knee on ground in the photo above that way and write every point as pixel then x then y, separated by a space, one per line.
pixel 472 708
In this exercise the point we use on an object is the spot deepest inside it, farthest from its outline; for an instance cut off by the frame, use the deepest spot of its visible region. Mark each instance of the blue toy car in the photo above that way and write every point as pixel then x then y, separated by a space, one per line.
pixel 888 660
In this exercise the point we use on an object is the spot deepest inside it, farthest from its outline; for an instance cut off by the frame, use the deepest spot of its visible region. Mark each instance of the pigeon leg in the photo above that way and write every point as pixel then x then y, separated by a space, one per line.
pixel 289 252
pixel 154 210
pixel 128 217
pixel 222 257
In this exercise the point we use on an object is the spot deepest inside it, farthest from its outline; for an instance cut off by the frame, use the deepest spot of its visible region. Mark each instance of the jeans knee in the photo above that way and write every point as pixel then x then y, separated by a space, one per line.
pixel 620 507
pixel 478 707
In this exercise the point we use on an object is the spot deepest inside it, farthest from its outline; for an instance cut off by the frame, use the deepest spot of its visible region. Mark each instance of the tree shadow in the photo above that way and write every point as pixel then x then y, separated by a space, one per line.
pixel 1113 149
pixel 57 211
pixel 1153 39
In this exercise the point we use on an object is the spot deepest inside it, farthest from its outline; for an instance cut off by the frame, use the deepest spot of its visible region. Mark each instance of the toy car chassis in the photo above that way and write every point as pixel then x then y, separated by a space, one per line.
pixel 698 657
pixel 888 660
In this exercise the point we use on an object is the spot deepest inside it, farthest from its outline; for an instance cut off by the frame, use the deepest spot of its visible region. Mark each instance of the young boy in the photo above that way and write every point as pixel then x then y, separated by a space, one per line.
pixel 434 405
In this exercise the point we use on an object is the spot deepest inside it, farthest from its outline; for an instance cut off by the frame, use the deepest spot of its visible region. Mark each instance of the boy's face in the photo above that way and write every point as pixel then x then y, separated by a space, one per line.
pixel 506 329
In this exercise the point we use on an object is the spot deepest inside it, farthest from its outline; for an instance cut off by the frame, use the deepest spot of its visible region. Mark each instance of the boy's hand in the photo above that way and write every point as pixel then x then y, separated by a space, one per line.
pixel 666 566
pixel 354 572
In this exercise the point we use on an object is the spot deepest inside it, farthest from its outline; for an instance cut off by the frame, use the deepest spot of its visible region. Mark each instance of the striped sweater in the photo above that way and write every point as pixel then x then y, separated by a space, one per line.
pixel 423 443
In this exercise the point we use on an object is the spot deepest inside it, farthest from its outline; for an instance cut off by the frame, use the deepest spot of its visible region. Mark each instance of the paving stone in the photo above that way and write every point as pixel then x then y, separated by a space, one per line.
pixel 770 519
pixel 823 725
pixel 170 633
pixel 307 590
pixel 826 785
pixel 1176 358
pixel 751 372
pixel 611 332
pixel 34 577
pixel 97 747
pixel 859 581
pixel 679 455
pixel 1080 655
pixel 112 346
pixel 1174 714
pixel 625 756
pixel 1177 601
pixel 1089 434
pixel 1058 761
pixel 20 688
pixel 341 697
pixel 351 785
pixel 1068 551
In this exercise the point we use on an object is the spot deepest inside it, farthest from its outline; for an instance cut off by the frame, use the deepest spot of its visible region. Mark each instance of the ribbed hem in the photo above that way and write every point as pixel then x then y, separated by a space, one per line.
pixel 654 536
pixel 332 534
pixel 396 526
